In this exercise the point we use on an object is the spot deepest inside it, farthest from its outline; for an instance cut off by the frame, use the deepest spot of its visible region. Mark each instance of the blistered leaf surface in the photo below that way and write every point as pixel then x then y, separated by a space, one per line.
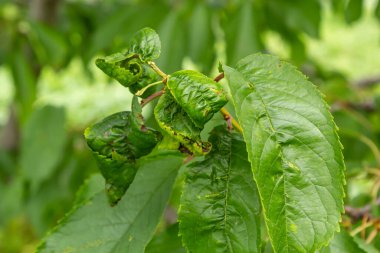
pixel 198 95
pixel 294 151
pixel 220 206
pixel 146 44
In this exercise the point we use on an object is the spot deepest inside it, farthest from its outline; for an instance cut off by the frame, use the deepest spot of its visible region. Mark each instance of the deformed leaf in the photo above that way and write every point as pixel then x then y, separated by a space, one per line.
pixel 175 121
pixel 220 205
pixel 117 141
pixel 294 151
pixel 94 226
pixel 198 95
pixel 146 44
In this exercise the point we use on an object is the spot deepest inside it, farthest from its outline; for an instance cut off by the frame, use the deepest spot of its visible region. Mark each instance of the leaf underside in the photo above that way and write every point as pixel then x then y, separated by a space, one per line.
pixel 220 206
pixel 294 151
pixel 94 226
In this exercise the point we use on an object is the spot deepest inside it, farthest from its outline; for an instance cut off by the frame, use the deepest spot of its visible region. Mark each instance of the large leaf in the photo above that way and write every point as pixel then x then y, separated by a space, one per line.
pixel 42 145
pixel 198 95
pixel 117 141
pixel 220 205
pixel 174 120
pixel 128 227
pixel 294 151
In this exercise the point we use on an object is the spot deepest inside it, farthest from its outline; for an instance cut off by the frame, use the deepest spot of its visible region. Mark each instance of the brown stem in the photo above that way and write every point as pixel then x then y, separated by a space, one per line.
pixel 151 97
pixel 219 77
pixel 359 213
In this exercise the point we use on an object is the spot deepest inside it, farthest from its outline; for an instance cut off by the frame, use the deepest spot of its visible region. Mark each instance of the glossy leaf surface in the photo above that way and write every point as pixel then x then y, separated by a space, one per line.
pixel 127 227
pixel 116 142
pixel 198 95
pixel 220 205
pixel 175 121
pixel 294 151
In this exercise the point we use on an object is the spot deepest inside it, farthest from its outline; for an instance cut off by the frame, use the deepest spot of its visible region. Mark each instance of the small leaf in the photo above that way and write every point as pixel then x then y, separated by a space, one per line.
pixel 146 44
pixel 116 142
pixel 294 151
pixel 353 10
pixel 220 205
pixel 198 95
pixel 128 227
pixel 175 121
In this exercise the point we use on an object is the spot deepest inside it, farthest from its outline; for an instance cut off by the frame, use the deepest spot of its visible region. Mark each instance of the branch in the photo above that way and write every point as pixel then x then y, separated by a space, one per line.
pixel 151 97
pixel 359 213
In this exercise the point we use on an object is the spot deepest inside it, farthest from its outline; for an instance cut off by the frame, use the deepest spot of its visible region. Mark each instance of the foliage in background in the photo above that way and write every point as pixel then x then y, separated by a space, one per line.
pixel 46 47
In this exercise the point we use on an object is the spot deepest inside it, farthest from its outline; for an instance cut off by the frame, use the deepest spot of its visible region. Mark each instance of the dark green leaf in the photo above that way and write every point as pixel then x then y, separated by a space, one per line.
pixel 353 10
pixel 377 10
pixel 146 44
pixel 42 145
pixel 220 205
pixel 116 142
pixel 128 227
pixel 294 150
pixel 175 121
pixel 198 95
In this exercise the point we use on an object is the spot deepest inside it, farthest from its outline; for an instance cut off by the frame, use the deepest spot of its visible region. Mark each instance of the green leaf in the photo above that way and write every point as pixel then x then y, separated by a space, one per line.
pixel 166 241
pixel 42 144
pixel 220 205
pixel 175 121
pixel 146 44
pixel 343 242
pixel 116 142
pixel 198 95
pixel 377 11
pixel 353 10
pixel 128 227
pixel 294 150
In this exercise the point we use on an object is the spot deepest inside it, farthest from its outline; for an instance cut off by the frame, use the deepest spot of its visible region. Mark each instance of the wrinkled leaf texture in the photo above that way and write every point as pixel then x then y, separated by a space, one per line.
pixel 94 226
pixel 220 205
pixel 294 151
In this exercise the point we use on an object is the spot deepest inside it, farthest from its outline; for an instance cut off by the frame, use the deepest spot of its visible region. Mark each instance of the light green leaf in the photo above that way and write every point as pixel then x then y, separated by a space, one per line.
pixel 343 242
pixel 42 144
pixel 175 121
pixel 198 95
pixel 146 44
pixel 128 227
pixel 294 151
pixel 220 205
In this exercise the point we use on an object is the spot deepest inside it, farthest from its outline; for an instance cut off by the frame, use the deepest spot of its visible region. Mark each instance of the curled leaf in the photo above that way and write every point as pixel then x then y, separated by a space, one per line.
pixel 117 141
pixel 175 121
pixel 145 43
pixel 198 95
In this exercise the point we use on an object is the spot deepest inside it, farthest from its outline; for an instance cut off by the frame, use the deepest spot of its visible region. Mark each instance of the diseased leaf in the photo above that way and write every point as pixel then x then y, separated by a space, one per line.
pixel 220 205
pixel 175 121
pixel 128 227
pixel 198 95
pixel 343 242
pixel 116 142
pixel 294 151
pixel 146 44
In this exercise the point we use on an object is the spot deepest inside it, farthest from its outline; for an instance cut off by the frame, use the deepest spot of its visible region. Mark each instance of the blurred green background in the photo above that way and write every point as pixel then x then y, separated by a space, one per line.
pixel 50 90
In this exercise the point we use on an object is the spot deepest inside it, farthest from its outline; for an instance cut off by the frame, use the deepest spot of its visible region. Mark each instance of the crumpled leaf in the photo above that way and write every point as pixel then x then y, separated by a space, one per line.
pixel 220 204
pixel 198 95
pixel 175 121
pixel 146 44
pixel 117 141
pixel 129 67
pixel 294 150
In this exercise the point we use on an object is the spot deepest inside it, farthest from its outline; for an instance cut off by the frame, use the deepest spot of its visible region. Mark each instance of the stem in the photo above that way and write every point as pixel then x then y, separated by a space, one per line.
pixel 151 97
pixel 227 116
pixel 140 92
pixel 157 69
pixel 219 77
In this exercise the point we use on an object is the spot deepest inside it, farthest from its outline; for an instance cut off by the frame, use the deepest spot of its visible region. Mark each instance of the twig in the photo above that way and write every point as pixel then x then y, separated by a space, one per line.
pixel 151 97
pixel 359 213
pixel 140 92
pixel 157 69
pixel 219 77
